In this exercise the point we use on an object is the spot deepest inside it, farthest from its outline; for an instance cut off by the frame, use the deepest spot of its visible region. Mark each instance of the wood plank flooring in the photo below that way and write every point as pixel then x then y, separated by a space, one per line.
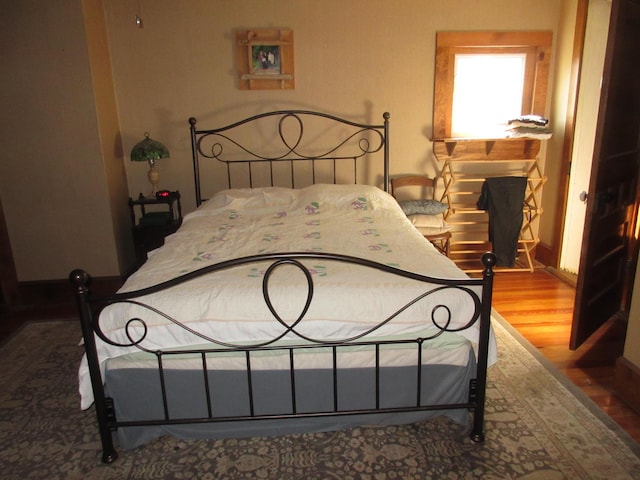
pixel 540 306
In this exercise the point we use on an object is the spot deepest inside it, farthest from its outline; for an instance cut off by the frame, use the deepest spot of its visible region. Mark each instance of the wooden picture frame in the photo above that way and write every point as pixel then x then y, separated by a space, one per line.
pixel 265 59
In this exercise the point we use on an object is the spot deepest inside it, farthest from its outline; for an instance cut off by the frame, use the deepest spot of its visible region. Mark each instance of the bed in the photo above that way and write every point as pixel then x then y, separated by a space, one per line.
pixel 296 298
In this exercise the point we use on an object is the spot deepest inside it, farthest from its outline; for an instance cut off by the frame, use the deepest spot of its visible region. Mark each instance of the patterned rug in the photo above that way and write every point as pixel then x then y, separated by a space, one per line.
pixel 537 428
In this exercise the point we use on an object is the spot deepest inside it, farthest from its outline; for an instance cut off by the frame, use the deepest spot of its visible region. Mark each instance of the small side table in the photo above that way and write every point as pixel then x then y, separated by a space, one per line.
pixel 153 226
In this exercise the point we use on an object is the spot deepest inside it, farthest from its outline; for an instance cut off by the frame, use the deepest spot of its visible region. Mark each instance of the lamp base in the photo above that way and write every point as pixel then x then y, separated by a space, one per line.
pixel 154 178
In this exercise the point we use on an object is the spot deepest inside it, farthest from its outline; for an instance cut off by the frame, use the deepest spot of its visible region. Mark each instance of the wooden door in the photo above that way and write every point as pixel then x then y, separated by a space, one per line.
pixel 609 253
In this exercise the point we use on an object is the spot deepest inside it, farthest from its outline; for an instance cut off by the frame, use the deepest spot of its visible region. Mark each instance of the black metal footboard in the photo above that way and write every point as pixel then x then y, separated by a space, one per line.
pixel 478 291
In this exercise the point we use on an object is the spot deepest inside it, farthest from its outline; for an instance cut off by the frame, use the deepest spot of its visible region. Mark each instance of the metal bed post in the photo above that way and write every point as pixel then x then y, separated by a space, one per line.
pixel 196 167
pixel 80 280
pixel 386 117
pixel 477 432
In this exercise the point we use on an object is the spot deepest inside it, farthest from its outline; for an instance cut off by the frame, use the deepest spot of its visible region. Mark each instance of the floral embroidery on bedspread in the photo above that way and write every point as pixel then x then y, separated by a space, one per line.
pixel 360 204
pixel 312 233
pixel 319 270
pixel 313 208
pixel 371 231
pixel 283 231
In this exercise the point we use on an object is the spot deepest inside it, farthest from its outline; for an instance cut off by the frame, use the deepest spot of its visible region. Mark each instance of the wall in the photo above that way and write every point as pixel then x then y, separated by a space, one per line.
pixel 631 351
pixel 561 95
pixel 627 374
pixel 109 130
pixel 356 59
pixel 52 175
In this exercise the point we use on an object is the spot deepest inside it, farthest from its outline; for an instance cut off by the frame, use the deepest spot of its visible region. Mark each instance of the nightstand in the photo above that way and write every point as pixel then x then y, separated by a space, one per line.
pixel 155 223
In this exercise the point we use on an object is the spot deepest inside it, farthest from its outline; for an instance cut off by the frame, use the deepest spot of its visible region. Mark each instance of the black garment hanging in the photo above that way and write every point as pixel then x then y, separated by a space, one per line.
pixel 503 198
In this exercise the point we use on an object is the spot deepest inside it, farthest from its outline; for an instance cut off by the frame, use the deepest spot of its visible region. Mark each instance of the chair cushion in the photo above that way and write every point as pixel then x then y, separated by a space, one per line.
pixel 423 206
pixel 430 224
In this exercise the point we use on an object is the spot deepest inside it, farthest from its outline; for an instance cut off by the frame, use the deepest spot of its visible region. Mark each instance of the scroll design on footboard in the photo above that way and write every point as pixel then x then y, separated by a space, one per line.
pixel 440 321
pixel 441 318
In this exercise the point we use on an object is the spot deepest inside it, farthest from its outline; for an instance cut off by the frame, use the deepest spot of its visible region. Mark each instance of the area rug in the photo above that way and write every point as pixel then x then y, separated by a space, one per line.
pixel 538 427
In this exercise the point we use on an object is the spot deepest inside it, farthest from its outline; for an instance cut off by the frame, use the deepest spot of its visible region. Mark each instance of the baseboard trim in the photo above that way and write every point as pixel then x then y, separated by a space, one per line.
pixel 566 277
pixel 627 382
pixel 545 255
pixel 61 291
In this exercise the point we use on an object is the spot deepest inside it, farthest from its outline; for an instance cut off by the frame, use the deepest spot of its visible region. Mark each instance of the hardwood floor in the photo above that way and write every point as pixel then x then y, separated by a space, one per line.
pixel 539 305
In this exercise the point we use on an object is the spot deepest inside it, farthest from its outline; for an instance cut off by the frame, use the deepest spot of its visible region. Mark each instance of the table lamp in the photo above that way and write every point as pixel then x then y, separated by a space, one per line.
pixel 150 150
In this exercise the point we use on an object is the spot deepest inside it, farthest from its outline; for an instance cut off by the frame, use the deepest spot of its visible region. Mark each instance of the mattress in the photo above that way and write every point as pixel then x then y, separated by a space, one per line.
pixel 360 221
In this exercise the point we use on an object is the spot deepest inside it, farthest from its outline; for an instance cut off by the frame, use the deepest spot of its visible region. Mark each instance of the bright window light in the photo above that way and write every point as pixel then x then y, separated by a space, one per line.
pixel 487 92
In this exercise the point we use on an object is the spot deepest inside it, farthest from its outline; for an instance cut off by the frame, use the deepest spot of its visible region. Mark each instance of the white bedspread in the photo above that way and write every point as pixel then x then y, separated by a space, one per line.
pixel 360 221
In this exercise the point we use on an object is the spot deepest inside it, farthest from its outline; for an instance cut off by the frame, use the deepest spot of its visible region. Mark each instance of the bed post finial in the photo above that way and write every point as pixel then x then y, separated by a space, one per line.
pixel 80 279
pixel 489 260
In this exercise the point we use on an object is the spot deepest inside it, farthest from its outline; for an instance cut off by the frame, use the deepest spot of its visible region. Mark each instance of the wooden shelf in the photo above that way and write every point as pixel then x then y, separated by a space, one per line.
pixel 472 149
pixel 465 165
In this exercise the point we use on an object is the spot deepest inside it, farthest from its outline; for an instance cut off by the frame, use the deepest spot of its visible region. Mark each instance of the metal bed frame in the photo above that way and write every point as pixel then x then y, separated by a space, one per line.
pixel 352 144
pixel 479 291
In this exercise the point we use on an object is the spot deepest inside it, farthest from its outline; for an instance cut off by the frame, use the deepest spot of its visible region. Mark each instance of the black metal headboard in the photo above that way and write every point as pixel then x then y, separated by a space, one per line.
pixel 264 149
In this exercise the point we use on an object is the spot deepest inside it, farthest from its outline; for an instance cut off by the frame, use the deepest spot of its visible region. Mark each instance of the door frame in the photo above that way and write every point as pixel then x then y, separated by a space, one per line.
pixel 9 294
pixel 569 132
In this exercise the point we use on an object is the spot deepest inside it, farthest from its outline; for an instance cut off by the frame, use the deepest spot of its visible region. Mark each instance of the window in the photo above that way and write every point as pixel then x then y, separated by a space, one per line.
pixel 500 78
pixel 485 78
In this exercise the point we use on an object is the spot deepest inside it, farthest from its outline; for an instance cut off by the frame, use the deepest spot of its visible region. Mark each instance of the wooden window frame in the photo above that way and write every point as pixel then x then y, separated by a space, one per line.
pixel 536 46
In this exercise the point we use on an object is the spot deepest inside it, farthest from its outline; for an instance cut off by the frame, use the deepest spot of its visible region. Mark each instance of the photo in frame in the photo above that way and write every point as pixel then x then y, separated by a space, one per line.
pixel 265 59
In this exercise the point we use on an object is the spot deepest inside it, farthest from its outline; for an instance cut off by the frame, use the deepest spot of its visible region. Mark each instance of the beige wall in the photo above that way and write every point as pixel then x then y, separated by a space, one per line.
pixel 109 129
pixel 631 350
pixel 561 87
pixel 357 58
pixel 52 176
